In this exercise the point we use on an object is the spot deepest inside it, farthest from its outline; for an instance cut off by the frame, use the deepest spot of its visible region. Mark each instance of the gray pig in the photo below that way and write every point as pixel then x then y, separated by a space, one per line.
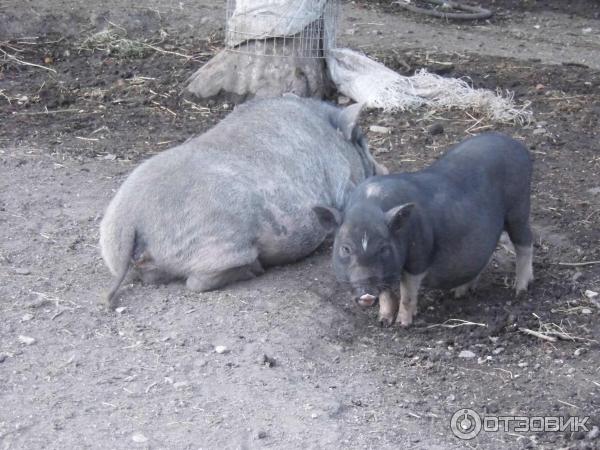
pixel 224 205
pixel 438 226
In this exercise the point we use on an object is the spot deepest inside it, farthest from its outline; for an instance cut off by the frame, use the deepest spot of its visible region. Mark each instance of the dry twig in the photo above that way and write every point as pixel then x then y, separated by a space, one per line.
pixel 454 323
pixel 25 63
pixel 577 264
pixel 537 334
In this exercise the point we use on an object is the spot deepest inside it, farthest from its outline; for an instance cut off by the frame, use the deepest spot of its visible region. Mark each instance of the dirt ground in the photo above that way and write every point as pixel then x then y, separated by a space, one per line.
pixel 305 368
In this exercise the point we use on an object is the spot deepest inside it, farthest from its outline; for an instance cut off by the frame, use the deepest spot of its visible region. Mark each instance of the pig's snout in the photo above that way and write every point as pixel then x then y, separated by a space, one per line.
pixel 365 300
pixel 366 291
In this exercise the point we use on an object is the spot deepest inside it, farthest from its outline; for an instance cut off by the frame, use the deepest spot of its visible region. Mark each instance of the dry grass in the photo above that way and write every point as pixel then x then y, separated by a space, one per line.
pixel 552 332
pixel 114 41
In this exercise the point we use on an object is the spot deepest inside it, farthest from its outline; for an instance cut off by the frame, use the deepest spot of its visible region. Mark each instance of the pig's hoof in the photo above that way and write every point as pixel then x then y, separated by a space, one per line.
pixel 521 287
pixel 521 294
pixel 109 302
pixel 460 291
pixel 386 322
pixel 404 320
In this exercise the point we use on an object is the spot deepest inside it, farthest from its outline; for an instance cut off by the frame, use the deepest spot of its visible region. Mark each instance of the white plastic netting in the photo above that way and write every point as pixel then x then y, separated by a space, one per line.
pixel 373 84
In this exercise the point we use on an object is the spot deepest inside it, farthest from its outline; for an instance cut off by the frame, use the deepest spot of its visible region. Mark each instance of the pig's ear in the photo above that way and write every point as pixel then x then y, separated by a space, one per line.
pixel 397 217
pixel 348 119
pixel 329 218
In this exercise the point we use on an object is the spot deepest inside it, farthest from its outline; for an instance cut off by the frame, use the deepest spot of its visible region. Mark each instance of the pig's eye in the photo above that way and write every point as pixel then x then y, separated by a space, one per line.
pixel 385 250
pixel 345 250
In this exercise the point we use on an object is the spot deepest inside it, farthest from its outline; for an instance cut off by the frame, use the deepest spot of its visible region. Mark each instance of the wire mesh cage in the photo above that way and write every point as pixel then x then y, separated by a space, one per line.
pixel 299 28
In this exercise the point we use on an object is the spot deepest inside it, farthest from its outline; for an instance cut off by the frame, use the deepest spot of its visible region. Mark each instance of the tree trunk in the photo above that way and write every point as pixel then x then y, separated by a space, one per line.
pixel 262 68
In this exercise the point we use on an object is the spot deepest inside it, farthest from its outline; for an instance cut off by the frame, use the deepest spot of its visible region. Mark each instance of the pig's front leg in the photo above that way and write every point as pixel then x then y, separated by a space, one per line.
pixel 388 308
pixel 409 291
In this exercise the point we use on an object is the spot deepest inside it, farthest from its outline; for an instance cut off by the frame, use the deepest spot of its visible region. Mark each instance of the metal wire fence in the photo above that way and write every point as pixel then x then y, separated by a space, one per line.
pixel 299 28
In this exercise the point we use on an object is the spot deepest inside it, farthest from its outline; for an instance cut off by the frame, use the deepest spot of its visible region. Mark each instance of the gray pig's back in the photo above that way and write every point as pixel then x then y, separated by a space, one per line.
pixel 243 183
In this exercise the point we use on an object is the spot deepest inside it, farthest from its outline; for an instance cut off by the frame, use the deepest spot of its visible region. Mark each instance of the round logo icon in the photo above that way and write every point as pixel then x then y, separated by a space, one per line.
pixel 465 424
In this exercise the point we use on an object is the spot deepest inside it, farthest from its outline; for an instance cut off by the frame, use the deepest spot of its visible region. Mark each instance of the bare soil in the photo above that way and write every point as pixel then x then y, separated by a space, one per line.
pixel 149 377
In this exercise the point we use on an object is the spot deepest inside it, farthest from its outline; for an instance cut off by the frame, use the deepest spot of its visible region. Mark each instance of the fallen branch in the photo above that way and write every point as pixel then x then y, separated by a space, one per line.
pixel 168 52
pixel 55 111
pixel 577 264
pixel 473 12
pixel 537 334
pixel 568 337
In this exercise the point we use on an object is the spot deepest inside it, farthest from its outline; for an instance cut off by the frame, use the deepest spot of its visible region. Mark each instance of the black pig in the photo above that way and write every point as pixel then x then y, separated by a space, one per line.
pixel 438 226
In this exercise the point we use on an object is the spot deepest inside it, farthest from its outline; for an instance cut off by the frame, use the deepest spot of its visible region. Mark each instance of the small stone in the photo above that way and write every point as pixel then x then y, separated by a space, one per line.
pixel 498 350
pixel 110 157
pixel 539 131
pixel 578 435
pixel 180 385
pixel 591 294
pixel 225 105
pixel 492 408
pixel 268 361
pixel 27 340
pixel 121 309
pixel 523 364
pixel 314 415
pixel 201 363
pixel 26 317
pixel 379 129
pixel 579 351
pixel 594 433
pixel 22 271
pixel 139 438
pixel 343 100
pixel 587 30
pixel 261 434
pixel 221 349
pixel 466 354
pixel 525 443
pixel 436 128
pixel 540 87
pixel 586 311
